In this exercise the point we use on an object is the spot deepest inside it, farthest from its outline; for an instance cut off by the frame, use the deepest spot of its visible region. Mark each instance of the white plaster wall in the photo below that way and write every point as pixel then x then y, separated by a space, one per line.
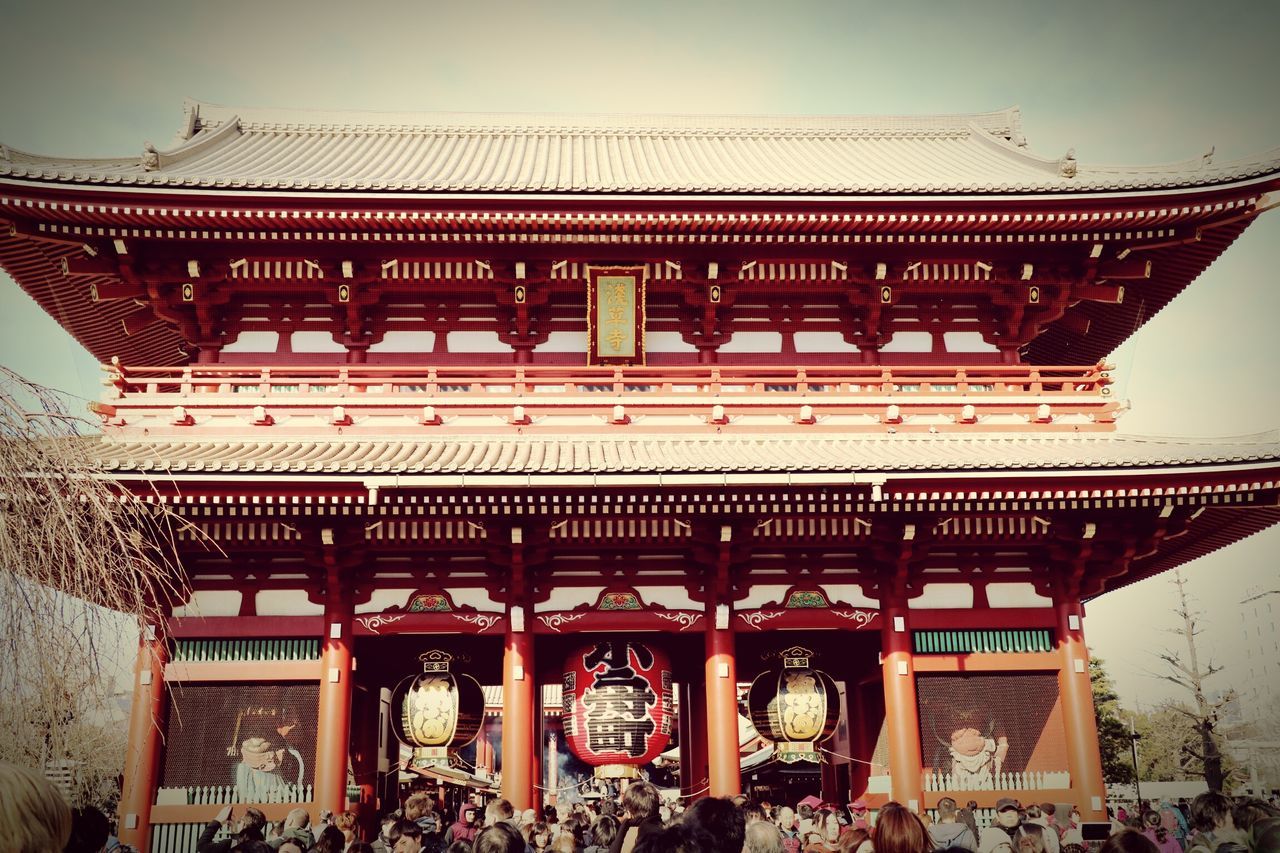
pixel 253 342
pixel 286 602
pixel 944 596
pixel 667 342
pixel 564 342
pixel 315 342
pixel 852 593
pixel 405 342
pixel 567 598
pixel 673 598
pixel 822 342
pixel 1016 595
pixel 967 342
pixel 211 603
pixel 909 342
pixel 477 341
pixel 381 599
pixel 753 342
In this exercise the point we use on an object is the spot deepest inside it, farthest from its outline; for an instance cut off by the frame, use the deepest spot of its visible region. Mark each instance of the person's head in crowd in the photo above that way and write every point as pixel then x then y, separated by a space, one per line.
pixel 1050 811
pixel 946 810
pixel 528 817
pixel 459 846
pixel 826 824
pixel 346 824
pixel 297 819
pixel 1031 838
pixel 390 832
pixel 604 830
pixel 252 845
pixel 1129 841
pixel 409 839
pixel 721 820
pixel 1211 811
pixel 761 836
pixel 1007 812
pixel 291 845
pixel 1249 810
pixel 499 809
pixel 564 843
pixel 852 840
pixel 681 837
pixel 89 831
pixel 900 831
pixel 640 802
pixel 540 836
pixel 417 805
pixel 785 818
pixel 499 838
pixel 752 812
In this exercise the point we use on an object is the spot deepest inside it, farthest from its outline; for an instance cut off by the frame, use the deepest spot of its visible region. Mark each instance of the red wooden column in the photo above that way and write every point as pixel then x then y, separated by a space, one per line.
pixel 518 710
pixel 1084 762
pixel 859 737
pixel 142 757
pixel 724 767
pixel 693 741
pixel 901 711
pixel 333 722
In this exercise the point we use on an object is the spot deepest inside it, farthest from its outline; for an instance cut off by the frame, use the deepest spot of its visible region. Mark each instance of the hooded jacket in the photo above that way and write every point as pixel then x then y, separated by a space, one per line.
pixel 952 835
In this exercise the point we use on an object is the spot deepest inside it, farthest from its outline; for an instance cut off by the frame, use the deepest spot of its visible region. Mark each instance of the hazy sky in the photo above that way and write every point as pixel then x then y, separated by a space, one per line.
pixel 1119 82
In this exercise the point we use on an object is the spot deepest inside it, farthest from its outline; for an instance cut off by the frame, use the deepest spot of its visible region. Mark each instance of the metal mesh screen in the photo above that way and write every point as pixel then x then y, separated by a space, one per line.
pixel 976 728
pixel 259 738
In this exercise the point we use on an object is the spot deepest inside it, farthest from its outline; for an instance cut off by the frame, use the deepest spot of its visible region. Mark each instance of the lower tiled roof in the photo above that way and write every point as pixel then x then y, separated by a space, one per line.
pixel 683 454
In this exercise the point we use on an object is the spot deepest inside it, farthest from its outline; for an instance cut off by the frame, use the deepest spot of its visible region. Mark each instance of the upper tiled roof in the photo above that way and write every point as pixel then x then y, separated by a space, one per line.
pixel 258 149
pixel 665 454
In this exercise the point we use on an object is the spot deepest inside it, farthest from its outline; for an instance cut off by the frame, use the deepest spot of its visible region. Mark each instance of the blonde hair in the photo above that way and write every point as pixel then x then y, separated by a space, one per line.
pixel 33 816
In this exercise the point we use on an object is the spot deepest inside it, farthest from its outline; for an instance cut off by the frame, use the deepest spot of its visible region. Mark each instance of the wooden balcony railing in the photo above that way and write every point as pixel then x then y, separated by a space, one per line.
pixel 669 398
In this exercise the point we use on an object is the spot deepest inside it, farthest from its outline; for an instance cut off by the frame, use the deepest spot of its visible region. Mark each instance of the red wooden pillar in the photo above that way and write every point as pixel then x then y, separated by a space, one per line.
pixel 693 741
pixel 333 722
pixel 142 758
pixel 1084 762
pixel 724 767
pixel 861 744
pixel 539 729
pixel 518 709
pixel 901 711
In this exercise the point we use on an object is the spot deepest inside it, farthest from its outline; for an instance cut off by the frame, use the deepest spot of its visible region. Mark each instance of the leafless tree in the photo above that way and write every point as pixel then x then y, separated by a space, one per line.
pixel 82 566
pixel 1187 673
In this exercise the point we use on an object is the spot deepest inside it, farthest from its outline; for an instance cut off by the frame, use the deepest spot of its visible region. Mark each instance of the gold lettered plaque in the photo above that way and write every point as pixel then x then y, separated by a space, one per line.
pixel 615 315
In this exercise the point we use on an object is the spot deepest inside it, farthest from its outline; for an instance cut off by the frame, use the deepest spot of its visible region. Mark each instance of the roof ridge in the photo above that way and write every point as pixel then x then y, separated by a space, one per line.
pixel 1005 122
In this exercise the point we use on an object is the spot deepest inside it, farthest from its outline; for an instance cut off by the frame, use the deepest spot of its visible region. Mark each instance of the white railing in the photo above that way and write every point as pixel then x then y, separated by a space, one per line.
pixel 201 795
pixel 1028 781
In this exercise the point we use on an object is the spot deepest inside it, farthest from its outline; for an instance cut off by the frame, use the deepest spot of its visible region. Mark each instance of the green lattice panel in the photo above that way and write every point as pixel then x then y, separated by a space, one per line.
pixel 993 641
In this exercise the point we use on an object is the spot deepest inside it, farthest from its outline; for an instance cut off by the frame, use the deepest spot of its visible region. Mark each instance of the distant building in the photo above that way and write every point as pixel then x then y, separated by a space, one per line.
pixel 1259 693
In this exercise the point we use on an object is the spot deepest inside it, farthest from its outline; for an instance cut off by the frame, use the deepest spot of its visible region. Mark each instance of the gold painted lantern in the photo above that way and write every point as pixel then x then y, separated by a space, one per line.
pixel 438 711
pixel 795 706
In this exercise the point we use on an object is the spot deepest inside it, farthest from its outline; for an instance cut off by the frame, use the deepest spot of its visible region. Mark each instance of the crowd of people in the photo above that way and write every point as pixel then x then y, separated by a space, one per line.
pixel 35 819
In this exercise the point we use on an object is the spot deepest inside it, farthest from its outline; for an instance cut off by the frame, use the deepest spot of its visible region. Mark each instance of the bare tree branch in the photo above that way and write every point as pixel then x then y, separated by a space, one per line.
pixel 84 564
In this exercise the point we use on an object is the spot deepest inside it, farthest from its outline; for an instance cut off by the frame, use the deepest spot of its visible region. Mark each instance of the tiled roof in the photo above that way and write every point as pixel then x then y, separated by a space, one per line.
pixel 683 454
pixel 529 153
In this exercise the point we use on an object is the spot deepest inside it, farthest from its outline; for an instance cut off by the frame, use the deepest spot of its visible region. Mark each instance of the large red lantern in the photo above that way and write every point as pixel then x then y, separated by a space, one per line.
pixel 617 706
pixel 438 711
pixel 795 706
